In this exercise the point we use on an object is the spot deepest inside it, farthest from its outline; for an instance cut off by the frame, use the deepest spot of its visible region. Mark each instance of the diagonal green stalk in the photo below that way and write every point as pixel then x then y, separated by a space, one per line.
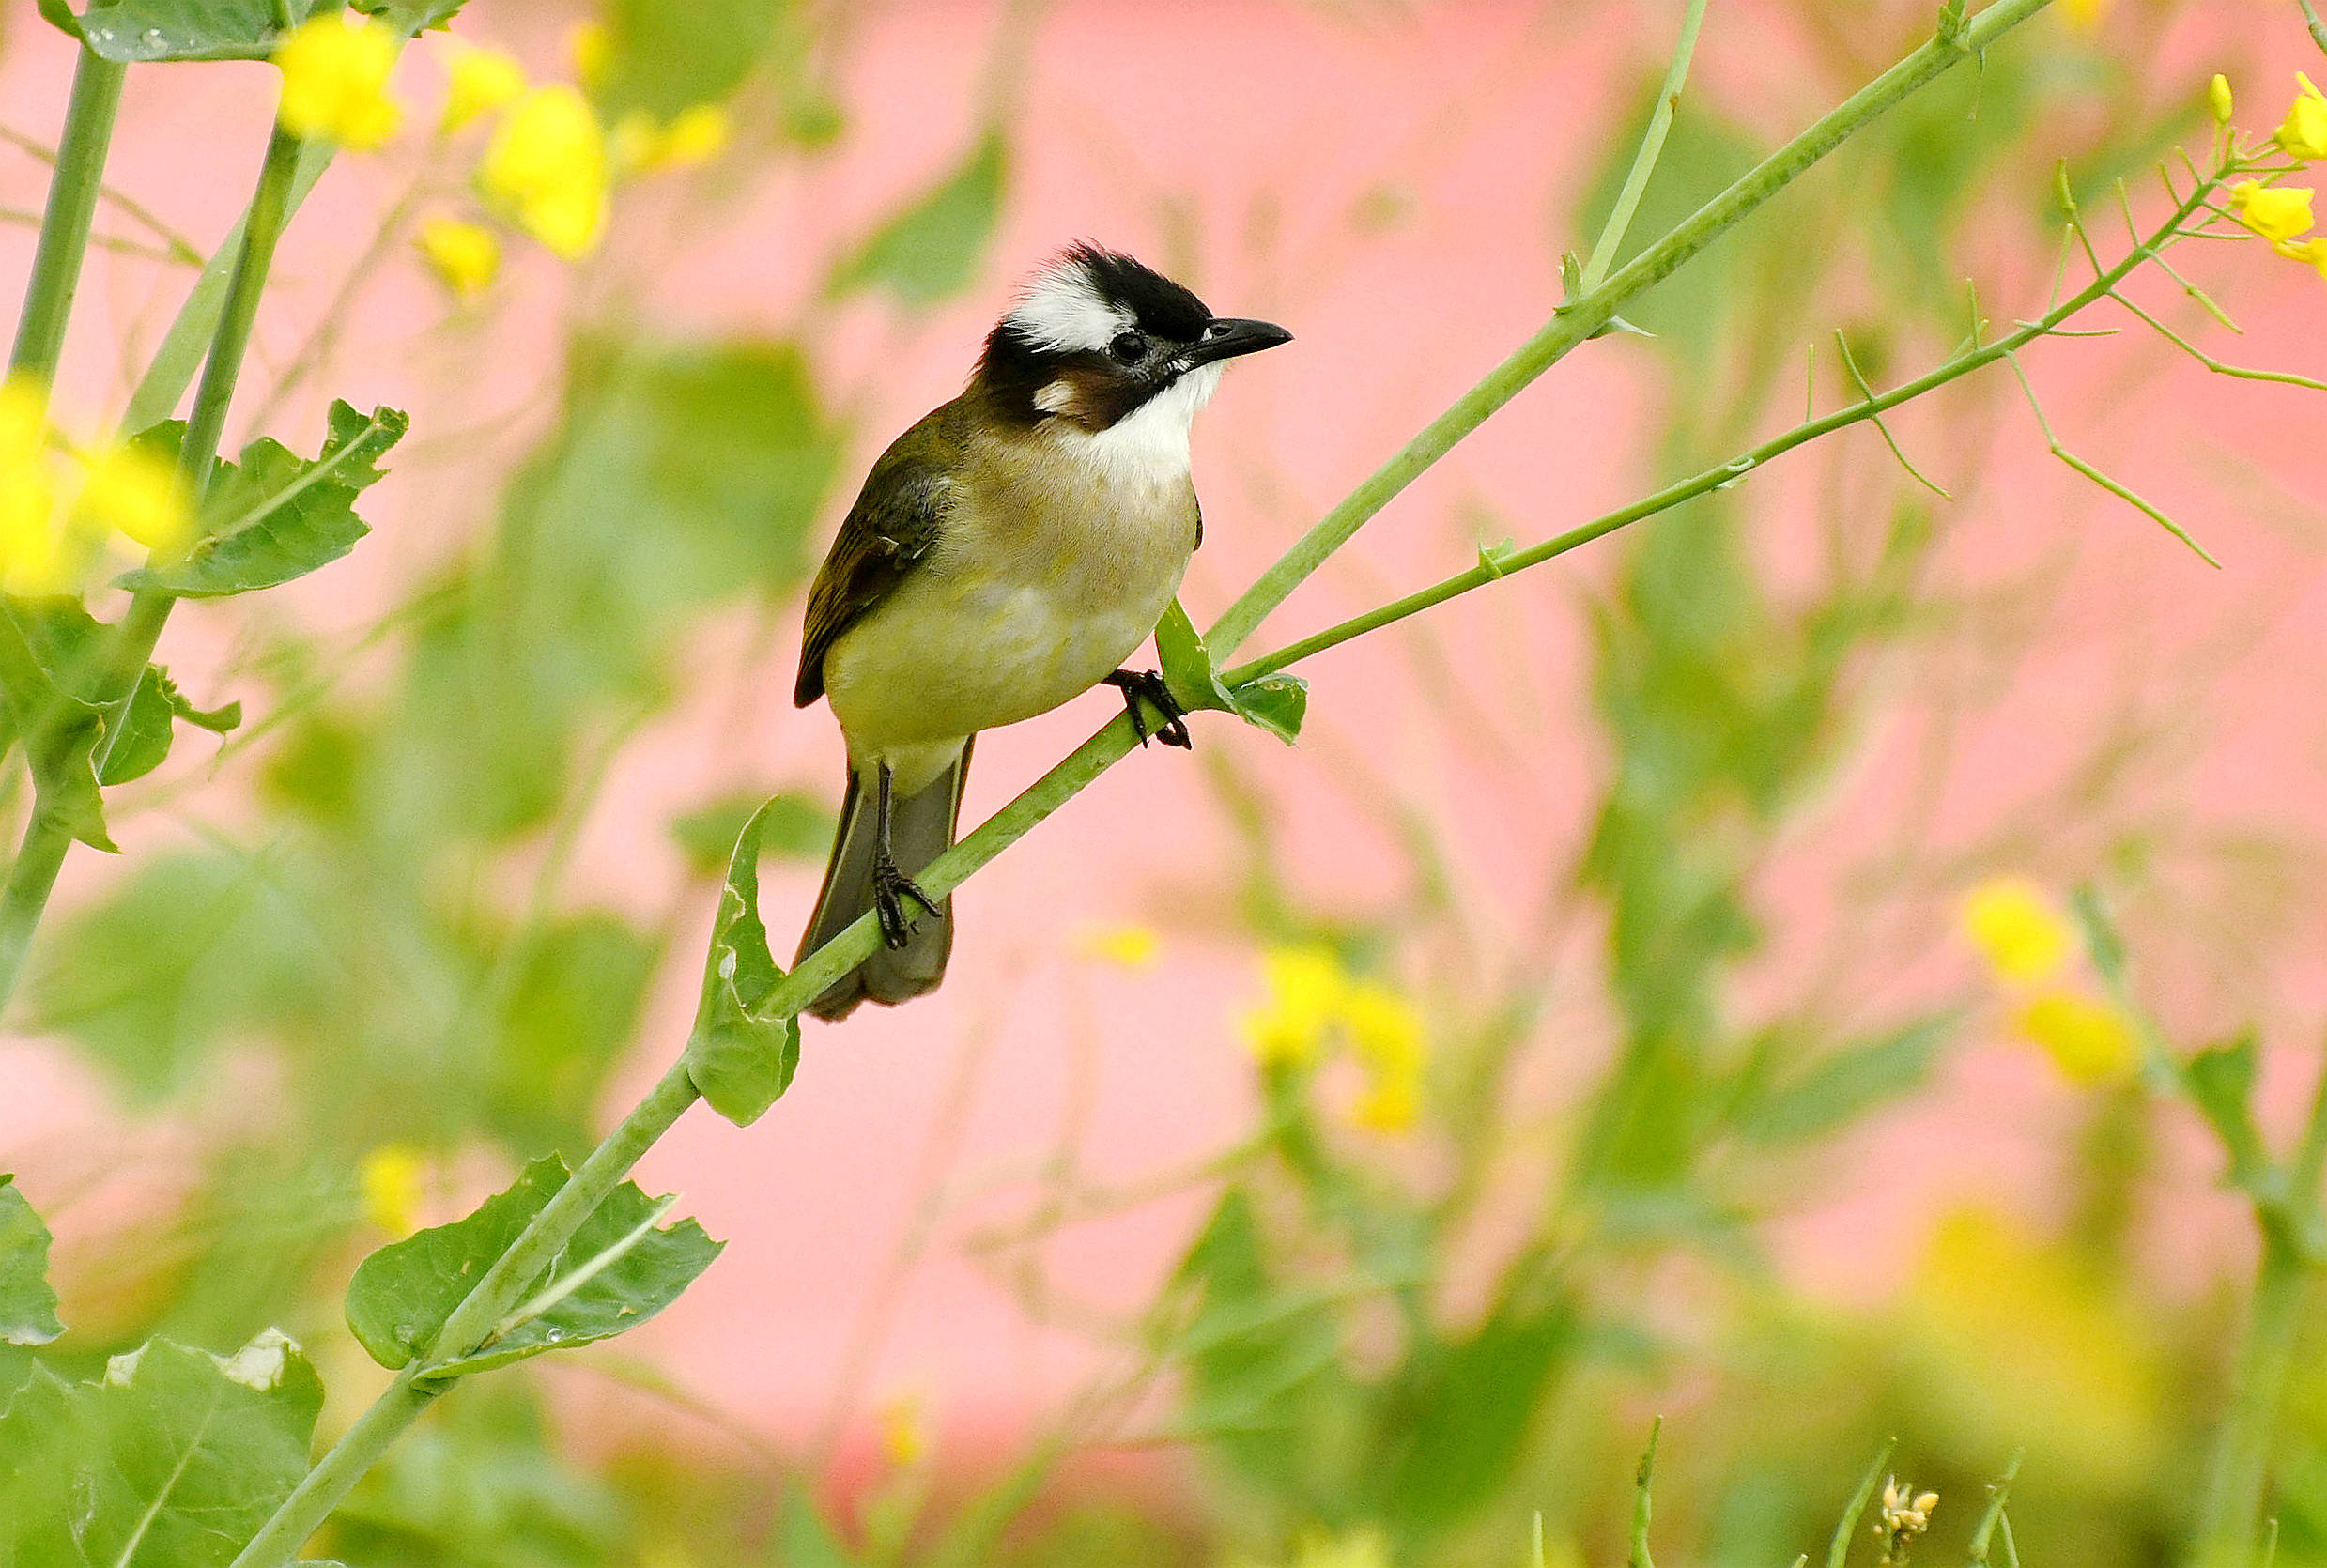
pixel 41 854
pixel 1635 179
pixel 1720 476
pixel 504 1285
pixel 1581 317
pixel 73 188
pixel 2241 1469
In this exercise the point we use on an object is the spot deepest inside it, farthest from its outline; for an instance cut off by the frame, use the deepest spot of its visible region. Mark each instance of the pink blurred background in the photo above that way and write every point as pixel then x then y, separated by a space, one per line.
pixel 1393 185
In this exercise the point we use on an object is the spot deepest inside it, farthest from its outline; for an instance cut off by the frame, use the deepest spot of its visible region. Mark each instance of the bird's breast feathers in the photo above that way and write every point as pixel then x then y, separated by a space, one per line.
pixel 1057 557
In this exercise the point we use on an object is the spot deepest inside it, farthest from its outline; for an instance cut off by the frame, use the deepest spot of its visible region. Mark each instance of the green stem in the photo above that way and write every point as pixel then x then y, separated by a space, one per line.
pixel 2241 1473
pixel 1581 318
pixel 1715 478
pixel 472 1323
pixel 500 1288
pixel 73 188
pixel 1604 248
pixel 2311 19
pixel 33 877
pixel 2241 1457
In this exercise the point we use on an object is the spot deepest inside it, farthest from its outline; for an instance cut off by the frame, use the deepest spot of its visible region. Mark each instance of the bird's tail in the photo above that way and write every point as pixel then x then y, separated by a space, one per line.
pixel 922 828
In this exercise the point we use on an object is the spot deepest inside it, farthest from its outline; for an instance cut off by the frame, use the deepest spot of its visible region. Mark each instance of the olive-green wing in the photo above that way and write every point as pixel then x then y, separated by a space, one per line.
pixel 886 533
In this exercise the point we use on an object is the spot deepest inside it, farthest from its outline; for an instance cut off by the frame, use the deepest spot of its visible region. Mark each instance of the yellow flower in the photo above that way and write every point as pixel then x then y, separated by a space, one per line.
pixel 389 1180
pixel 904 1432
pixel 2088 1041
pixel 2008 1338
pixel 1367 1547
pixel 465 257
pixel 546 169
pixel 2274 212
pixel 1305 987
pixel 2305 133
pixel 1389 1039
pixel 335 82
pixel 1131 947
pixel 2218 98
pixel 481 81
pixel 136 491
pixel 31 557
pixel 590 47
pixel 2313 251
pixel 2012 922
pixel 693 136
pixel 2084 15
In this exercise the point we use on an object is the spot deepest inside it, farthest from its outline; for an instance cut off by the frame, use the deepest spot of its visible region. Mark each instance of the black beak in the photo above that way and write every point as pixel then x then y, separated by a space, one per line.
pixel 1229 335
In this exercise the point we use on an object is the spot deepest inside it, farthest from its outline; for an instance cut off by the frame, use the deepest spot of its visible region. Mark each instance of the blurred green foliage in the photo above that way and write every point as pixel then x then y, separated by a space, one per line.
pixel 1364 1384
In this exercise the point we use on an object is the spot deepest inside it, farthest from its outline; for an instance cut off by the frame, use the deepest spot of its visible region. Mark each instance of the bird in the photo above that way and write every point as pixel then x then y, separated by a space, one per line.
pixel 1007 554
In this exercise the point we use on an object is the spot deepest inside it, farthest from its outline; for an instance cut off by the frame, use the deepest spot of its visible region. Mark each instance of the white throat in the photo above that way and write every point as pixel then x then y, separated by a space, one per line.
pixel 1149 446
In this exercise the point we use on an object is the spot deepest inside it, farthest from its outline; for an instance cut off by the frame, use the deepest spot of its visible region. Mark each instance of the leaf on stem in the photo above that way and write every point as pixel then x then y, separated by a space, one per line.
pixel 138 32
pixel 2221 1083
pixel 27 1305
pixel 275 516
pixel 68 645
pixel 410 17
pixel 619 1269
pixel 931 250
pixel 740 1059
pixel 1840 1087
pixel 1276 703
pixel 173 1459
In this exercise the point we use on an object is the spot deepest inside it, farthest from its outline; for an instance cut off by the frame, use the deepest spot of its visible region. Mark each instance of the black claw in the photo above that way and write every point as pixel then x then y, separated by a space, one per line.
pixel 1148 686
pixel 891 887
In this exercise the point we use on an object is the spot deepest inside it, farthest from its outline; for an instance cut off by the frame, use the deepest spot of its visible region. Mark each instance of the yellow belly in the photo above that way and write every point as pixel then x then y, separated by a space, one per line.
pixel 953 653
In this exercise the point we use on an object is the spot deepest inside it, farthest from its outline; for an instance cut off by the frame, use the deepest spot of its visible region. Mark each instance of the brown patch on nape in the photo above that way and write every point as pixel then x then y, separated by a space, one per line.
pixel 1093 399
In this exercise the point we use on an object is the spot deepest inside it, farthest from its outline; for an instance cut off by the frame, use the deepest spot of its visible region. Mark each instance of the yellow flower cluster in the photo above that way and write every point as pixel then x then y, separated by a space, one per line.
pixel 122 489
pixel 2281 214
pixel 550 166
pixel 389 1179
pixel 1126 946
pixel 1312 999
pixel 336 71
pixel 2028 942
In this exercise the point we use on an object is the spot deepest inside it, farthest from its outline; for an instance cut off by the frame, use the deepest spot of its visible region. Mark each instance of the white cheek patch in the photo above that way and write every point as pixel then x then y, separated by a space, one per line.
pixel 1062 311
pixel 1057 397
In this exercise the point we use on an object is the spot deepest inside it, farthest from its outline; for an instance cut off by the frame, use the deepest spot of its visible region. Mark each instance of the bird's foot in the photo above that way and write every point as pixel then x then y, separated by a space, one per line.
pixel 1148 686
pixel 891 887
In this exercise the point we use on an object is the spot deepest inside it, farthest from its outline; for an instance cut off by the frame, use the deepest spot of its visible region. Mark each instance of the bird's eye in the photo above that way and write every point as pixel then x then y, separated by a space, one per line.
pixel 1129 347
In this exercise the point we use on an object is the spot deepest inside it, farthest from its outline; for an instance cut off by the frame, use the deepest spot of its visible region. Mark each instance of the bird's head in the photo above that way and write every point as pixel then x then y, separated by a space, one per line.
pixel 1101 343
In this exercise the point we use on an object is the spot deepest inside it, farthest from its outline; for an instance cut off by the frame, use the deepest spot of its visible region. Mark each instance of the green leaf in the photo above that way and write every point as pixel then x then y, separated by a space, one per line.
pixel 138 32
pixel 1188 664
pixel 803 1536
pixel 2221 1082
pixel 66 645
pixel 1275 703
pixel 173 1460
pixel 148 724
pixel 411 17
pixel 662 58
pixel 186 951
pixel 740 1058
pixel 27 1305
pixel 580 985
pixel 1455 1424
pixel 630 1269
pixel 40 640
pixel 276 516
pixel 796 828
pixel 1838 1087
pixel 931 250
